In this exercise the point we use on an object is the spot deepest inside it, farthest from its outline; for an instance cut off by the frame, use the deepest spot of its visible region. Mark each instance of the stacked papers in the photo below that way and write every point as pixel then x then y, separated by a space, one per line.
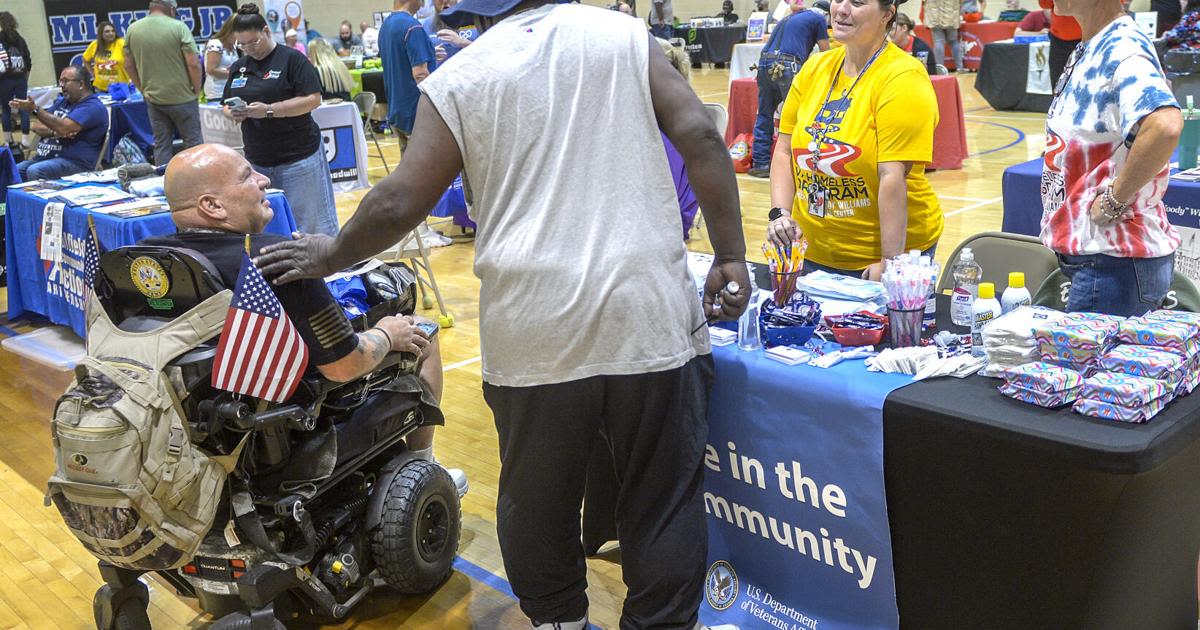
pixel 837 287
pixel 85 195
pixel 93 177
pixel 721 336
pixel 788 355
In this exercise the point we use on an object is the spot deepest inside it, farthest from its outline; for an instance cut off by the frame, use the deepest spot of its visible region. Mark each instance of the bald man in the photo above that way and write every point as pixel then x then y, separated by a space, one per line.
pixel 216 198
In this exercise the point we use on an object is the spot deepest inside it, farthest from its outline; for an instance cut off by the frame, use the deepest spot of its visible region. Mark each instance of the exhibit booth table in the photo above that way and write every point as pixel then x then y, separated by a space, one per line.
pixel 55 290
pixel 973 37
pixel 949 138
pixel 1008 78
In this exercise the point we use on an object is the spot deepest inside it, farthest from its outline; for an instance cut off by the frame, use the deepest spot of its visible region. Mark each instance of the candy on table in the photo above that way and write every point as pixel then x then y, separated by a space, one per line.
pixel 1124 389
pixel 1182 337
pixel 1041 399
pixel 1148 361
pixel 1043 377
pixel 1111 411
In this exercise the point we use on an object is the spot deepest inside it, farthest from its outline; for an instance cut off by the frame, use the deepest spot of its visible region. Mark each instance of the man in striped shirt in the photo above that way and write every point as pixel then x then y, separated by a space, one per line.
pixel 216 198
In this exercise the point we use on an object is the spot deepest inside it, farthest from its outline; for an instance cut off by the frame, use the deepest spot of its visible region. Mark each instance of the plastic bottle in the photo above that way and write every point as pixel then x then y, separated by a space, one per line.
pixel 983 310
pixel 1016 295
pixel 967 274
pixel 749 332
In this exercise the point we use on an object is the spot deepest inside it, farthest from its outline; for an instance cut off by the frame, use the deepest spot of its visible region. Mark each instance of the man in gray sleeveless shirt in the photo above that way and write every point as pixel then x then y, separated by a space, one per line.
pixel 590 326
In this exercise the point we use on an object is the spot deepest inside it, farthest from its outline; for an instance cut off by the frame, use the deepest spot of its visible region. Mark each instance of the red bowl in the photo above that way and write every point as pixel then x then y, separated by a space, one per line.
pixel 858 336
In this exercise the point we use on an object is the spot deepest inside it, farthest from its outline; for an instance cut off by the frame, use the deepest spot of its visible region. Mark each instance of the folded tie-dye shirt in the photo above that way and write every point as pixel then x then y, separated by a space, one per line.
pixel 1111 83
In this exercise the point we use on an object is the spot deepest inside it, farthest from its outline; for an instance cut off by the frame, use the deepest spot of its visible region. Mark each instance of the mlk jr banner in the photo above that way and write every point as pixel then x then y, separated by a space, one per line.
pixel 73 22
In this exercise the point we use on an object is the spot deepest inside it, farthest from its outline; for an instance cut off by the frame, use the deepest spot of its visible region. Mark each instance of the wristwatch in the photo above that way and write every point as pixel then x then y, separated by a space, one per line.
pixel 775 213
pixel 271 112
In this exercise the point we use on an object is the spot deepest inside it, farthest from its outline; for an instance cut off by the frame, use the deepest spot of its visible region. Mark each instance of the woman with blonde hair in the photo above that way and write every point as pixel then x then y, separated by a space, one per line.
pixel 219 54
pixel 335 78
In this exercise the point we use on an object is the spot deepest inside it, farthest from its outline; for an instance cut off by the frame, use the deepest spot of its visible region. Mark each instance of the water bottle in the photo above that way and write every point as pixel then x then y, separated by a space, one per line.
pixel 967 274
pixel 749 337
pixel 1016 295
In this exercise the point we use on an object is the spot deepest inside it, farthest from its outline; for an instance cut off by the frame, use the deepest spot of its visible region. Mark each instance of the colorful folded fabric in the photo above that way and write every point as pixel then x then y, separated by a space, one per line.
pixel 1078 338
pixel 1085 369
pixel 1175 316
pixel 1123 389
pixel 1049 400
pixel 1043 377
pixel 1179 336
pixel 1148 361
pixel 1111 411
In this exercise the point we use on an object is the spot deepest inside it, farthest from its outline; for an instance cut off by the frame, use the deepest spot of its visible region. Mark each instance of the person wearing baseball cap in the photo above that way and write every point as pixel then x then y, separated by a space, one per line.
pixel 591 333
pixel 162 61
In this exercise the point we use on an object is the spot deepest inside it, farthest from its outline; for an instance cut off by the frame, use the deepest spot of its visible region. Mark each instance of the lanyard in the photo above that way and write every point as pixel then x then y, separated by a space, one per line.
pixel 816 191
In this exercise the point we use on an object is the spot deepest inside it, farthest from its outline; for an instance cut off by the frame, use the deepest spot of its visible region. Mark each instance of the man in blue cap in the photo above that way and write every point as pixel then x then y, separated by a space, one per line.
pixel 591 331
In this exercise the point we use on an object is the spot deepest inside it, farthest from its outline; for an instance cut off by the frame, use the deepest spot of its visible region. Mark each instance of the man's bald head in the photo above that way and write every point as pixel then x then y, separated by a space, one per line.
pixel 212 186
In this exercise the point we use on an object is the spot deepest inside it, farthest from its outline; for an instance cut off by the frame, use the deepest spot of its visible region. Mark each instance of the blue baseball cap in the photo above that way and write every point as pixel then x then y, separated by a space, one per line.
pixel 463 13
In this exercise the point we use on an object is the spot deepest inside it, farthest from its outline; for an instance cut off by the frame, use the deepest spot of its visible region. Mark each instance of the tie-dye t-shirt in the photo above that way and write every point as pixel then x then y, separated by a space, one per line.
pixel 1111 83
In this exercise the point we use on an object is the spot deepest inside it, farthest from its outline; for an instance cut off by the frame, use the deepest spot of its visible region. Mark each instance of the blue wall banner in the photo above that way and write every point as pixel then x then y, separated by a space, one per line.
pixel 73 22
pixel 794 493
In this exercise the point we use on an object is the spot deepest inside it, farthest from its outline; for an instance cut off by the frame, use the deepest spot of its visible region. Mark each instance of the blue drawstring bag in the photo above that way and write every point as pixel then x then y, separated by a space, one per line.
pixel 351 293
pixel 118 92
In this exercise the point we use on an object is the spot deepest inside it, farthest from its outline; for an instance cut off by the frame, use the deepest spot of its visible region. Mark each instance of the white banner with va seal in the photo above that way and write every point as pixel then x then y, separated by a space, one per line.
pixel 341 135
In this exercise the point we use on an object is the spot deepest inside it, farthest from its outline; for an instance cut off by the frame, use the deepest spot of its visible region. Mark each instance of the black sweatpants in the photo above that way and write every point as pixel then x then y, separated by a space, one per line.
pixel 1060 52
pixel 655 426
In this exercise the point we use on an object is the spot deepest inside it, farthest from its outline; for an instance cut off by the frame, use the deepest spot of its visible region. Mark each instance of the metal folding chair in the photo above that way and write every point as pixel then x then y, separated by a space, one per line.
pixel 413 247
pixel 366 106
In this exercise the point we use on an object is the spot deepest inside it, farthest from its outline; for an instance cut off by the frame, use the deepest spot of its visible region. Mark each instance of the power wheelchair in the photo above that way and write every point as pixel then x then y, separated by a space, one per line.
pixel 301 530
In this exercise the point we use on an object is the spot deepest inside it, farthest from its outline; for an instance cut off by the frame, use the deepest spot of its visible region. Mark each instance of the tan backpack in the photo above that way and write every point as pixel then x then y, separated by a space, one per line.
pixel 128 481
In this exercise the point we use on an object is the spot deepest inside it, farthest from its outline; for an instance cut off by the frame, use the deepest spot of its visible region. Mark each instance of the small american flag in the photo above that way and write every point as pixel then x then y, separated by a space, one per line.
pixel 260 353
pixel 91 260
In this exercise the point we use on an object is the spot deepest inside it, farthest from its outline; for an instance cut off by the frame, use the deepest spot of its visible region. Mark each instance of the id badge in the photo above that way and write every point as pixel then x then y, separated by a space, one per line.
pixel 238 83
pixel 816 200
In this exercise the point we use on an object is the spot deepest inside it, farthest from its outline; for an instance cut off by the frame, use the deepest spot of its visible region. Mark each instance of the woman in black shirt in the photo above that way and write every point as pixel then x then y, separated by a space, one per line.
pixel 14 75
pixel 279 89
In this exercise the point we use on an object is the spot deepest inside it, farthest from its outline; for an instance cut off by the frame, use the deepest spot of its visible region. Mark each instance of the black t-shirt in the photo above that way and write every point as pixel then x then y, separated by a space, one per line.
pixel 922 51
pixel 283 74
pixel 313 311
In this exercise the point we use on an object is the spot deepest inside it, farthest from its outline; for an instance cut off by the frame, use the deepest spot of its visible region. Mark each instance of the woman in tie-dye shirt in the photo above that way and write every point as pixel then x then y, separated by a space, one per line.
pixel 1110 133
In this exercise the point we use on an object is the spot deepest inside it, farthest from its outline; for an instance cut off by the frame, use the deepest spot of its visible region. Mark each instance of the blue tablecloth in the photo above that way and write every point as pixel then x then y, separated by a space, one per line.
pixel 37 288
pixel 799 535
pixel 1023 201
pixel 8 168
pixel 131 117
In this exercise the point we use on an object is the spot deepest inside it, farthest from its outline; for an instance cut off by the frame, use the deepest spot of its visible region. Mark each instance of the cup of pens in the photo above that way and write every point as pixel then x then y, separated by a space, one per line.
pixel 908 285
pixel 785 264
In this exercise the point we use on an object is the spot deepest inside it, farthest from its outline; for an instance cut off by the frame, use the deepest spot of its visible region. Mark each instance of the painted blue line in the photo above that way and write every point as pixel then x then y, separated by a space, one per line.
pixel 1019 140
pixel 481 574
pixel 498 583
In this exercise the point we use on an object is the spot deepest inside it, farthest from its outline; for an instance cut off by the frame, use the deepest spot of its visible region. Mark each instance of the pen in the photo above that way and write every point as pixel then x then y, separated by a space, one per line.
pixel 732 287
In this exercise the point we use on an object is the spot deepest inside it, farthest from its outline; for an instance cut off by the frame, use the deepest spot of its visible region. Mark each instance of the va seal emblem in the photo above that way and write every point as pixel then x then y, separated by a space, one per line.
pixel 149 277
pixel 721 585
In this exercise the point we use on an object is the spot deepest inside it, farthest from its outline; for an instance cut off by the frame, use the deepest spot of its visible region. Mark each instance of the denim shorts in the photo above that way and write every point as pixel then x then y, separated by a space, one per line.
pixel 1127 287
pixel 309 190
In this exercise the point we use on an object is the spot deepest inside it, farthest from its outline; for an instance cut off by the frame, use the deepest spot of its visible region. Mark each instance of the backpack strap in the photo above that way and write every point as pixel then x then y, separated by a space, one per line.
pixel 160 346
pixel 251 525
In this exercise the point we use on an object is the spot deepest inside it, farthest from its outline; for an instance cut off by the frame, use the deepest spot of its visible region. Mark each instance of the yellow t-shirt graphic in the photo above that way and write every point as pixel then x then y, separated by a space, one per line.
pixel 888 116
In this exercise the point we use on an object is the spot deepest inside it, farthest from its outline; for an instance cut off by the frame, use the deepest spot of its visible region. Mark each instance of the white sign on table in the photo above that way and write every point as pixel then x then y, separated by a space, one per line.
pixel 1038 81
pixel 341 135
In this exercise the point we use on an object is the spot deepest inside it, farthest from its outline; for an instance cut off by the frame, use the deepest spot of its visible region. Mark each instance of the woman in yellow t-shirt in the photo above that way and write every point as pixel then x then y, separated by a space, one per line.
pixel 105 57
pixel 855 135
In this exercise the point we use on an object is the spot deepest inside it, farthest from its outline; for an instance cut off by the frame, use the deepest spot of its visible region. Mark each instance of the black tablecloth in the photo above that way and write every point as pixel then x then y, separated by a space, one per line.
pixel 373 82
pixel 1003 73
pixel 1006 515
pixel 711 44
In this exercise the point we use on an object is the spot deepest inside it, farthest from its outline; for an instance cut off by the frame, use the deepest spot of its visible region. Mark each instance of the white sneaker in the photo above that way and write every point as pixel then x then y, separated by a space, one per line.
pixel 431 238
pixel 460 480
pixel 562 625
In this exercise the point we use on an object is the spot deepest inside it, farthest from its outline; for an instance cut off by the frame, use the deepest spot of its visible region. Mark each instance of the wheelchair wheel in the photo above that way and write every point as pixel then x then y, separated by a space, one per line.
pixel 416 541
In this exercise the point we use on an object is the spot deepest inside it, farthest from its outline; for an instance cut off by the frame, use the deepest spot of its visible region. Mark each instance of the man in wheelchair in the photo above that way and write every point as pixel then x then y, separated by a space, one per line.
pixel 216 198
pixel 337 483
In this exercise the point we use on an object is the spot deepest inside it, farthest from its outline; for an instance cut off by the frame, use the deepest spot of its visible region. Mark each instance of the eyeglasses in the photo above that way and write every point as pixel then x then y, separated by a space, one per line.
pixel 66 81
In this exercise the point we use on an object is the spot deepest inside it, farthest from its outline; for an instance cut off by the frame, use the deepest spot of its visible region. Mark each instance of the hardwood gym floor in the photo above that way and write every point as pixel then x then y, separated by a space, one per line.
pixel 47 579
